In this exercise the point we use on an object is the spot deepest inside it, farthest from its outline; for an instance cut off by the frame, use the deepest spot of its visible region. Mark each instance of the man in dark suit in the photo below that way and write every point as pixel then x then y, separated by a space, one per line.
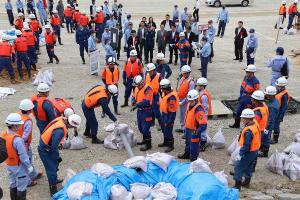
pixel 240 34
pixel 161 39
pixel 133 43
pixel 167 23
pixel 173 40
pixel 191 37
pixel 141 35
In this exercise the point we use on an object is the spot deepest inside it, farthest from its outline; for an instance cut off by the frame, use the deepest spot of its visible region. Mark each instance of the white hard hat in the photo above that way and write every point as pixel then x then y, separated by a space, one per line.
pixel 74 120
pixel 250 68
pixel 165 83
pixel 47 26
pixel 43 87
pixel 181 34
pixel 270 90
pixel 18 32
pixel 32 16
pixel 295 1
pixel 247 113
pixel 133 53
pixel 5 37
pixel 192 95
pixel 113 89
pixel 26 27
pixel 55 11
pixel 150 67
pixel 26 105
pixel 98 9
pixel 27 20
pixel 283 2
pixel 185 69
pixel 20 14
pixel 111 60
pixel 68 112
pixel 14 119
pixel 201 81
pixel 83 12
pixel 137 80
pixel 76 8
pixel 160 56
pixel 68 5
pixel 281 82
pixel 258 95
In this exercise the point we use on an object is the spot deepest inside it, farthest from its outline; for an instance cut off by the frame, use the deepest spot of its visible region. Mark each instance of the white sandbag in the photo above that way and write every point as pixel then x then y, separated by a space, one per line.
pixel 291 166
pixel 233 156
pixel 110 127
pixel 79 189
pixel 140 190
pixel 77 143
pixel 119 192
pixel 136 162
pixel 164 191
pixel 102 169
pixel 69 174
pixel 293 147
pixel 110 142
pixel 200 166
pixel 160 159
pixel 234 145
pixel 66 144
pixel 275 163
pixel 218 140
pixel 222 177
pixel 209 141
pixel 297 137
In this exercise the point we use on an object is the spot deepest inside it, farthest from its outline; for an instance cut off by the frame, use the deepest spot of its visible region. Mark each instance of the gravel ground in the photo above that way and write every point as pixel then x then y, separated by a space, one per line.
pixel 73 81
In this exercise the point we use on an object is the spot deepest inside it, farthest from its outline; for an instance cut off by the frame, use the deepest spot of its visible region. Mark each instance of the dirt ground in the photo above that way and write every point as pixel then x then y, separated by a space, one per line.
pixel 224 76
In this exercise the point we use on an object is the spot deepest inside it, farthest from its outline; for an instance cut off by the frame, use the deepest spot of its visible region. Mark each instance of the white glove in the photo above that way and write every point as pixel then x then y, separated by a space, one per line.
pixel 238 158
pixel 180 103
pixel 30 170
pixel 266 132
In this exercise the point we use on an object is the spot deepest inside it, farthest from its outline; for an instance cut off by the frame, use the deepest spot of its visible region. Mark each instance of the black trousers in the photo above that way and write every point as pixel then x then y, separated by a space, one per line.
pixel 196 15
pixel 191 55
pixel 238 50
pixel 10 17
pixel 173 50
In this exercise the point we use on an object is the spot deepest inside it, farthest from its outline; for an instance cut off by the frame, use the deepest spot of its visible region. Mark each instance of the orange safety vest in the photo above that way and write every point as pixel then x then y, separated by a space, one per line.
pixel 92 97
pixel 19 24
pixel 182 45
pixel 99 18
pixel 84 20
pixel 5 49
pixel 59 105
pixel 55 21
pixel 111 78
pixel 190 120
pixel 13 158
pixel 165 105
pixel 55 124
pixel 282 10
pixel 41 114
pixel 132 69
pixel 264 110
pixel 154 83
pixel 280 95
pixel 184 87
pixel 293 9
pixel 76 16
pixel 206 93
pixel 68 12
pixel 35 25
pixel 30 37
pixel 50 38
pixel 140 95
pixel 21 128
pixel 256 140
pixel 21 44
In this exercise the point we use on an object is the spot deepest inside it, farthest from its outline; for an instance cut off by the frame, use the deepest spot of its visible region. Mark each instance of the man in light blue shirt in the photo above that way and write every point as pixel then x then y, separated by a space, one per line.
pixel 106 10
pixel 127 33
pixel 175 13
pixel 205 53
pixel 111 23
pixel 179 28
pixel 106 35
pixel 42 12
pixel 92 42
pixel 184 17
pixel 223 19
pixel 20 6
pixel 251 47
pixel 9 12
pixel 210 35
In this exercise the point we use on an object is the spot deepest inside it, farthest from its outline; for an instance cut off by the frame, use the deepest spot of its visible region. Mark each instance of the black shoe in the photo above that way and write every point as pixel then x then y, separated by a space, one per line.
pixel 169 62
pixel 236 123
pixel 263 153
pixel 87 134
pixel 185 155
pixel 241 60
pixel 202 146
pixel 179 130
pixel 231 173
pixel 95 140
pixel 13 193
pixel 59 180
pixel 53 189
pixel 275 138
pixel 22 195
pixel 236 59
pixel 116 110
pixel 170 146
pixel 147 146
pixel 61 44
pixel 246 183
pixel 49 62
pixel 164 144
pixel 57 61
pixel 125 103
pixel 238 185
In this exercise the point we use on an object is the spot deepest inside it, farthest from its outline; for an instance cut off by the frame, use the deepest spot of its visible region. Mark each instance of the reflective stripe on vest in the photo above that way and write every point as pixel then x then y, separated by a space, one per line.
pixel 25 118
pixel 154 83
pixel 164 102
pixel 264 110
pixel 280 95
pixel 13 158
pixel 184 87
pixel 41 114
pixel 190 118
pixel 256 140
pixel 111 78
pixel 140 95
pixel 206 93
pixel 48 132
pixel 59 105
pixel 21 44
pixel 5 49
pixel 92 97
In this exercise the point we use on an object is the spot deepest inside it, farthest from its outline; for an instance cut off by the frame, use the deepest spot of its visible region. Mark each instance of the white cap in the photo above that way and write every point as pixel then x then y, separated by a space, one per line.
pixel 160 56
pixel 181 34
pixel 55 11
pixel 137 80
pixel 47 26
pixel 76 8
pixel 283 2
pixel 185 69
pixel 150 67
pixel 18 32
pixel 43 87
pixel 98 9
pixel 258 95
pixel 295 1
pixel 201 81
pixel 74 120
pixel 113 89
pixel 133 53
pixel 247 113
pixel 83 12
pixel 165 83
pixel 68 5
pixel 111 60
pixel 270 90
pixel 192 95
pixel 14 119
pixel 20 14
pixel 250 68
pixel 26 105
pixel 281 82
pixel 68 112
pixel 32 16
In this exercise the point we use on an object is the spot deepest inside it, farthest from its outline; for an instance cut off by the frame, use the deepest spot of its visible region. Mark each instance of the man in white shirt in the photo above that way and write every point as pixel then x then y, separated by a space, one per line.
pixel 196 10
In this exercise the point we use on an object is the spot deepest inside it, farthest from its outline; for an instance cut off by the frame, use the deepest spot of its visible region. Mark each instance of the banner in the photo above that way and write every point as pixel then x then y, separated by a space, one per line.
pixel 115 38
pixel 202 27
pixel 95 62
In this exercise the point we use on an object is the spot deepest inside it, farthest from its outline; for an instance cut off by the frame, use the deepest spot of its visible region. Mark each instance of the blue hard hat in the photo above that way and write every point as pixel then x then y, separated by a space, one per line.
pixel 251 30
pixel 280 50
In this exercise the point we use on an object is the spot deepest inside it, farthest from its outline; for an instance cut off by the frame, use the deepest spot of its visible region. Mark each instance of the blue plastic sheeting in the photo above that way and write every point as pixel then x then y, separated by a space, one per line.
pixel 195 186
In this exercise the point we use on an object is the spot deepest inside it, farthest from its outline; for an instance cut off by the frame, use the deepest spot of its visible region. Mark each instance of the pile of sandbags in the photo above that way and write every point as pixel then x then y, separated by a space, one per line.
pixel 4 92
pixel 44 77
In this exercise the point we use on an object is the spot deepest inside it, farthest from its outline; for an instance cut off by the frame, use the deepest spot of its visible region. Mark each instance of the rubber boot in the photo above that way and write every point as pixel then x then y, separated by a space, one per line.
pixel 103 114
pixel 263 153
pixel 170 146
pixel 254 164
pixel 95 140
pixel 142 142
pixel 22 195
pixel 147 145
pixel 59 41
pixel 13 193
pixel 56 58
pixel 21 75
pixel 68 29
pixel 87 134
pixel 164 144
pixel 125 103
pixel 116 110
pixel 275 138
pixel 33 66
pixel 185 155
pixel 53 189
pixel 29 74
pixel 236 123
pixel 238 185
pixel 246 182
pixel 83 60
pixel 202 146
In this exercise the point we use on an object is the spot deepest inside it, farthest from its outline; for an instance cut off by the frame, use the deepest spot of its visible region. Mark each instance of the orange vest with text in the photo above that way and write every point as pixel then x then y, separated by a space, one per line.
pixel 55 21
pixel 19 24
pixel 111 78
pixel 154 83
pixel 140 95
pixel 165 105
pixel 35 25
pixel 68 12
pixel 191 118
pixel 99 18
pixel 263 122
pixel 256 140
pixel 206 93
pixel 41 114
pixel 92 97
pixel 184 87
pixel 282 10
pixel 76 16
pixel 59 105
pixel 50 38
pixel 84 20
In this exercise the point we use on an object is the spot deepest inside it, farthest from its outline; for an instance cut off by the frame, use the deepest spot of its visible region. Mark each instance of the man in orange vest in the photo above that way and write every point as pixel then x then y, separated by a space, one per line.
pixel 18 163
pixel 50 40
pixel 184 47
pixel 99 20
pixel 68 13
pixel 283 98
pixel 111 76
pixel 36 28
pixel 76 17
pixel 293 12
pixel 205 101
pixel 186 84
pixel 132 67
pixel 84 20
pixel 195 123
pixel 142 99
pixel 6 51
pixel 152 79
pixel 55 23
pixel 19 22
pixel 52 137
pixel 21 48
pixel 282 15
pixel 250 143
pixel 31 42
pixel 168 107
pixel 96 97
pixel 43 109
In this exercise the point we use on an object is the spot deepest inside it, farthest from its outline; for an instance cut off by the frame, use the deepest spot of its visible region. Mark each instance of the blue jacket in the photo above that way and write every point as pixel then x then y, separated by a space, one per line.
pixel 273 106
pixel 103 102
pixel 150 38
pixel 283 107
pixel 164 70
pixel 82 35
pixel 252 84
